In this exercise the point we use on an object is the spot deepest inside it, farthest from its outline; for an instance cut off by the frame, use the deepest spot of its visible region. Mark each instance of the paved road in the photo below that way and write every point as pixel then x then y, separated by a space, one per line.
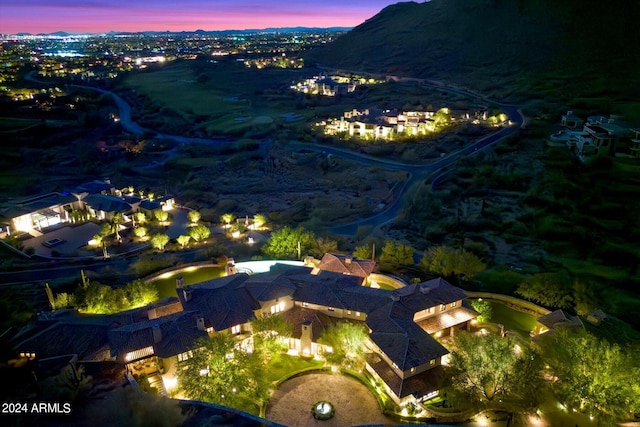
pixel 416 173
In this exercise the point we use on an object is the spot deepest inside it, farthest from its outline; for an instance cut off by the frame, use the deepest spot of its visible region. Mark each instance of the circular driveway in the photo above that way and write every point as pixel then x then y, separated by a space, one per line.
pixel 291 403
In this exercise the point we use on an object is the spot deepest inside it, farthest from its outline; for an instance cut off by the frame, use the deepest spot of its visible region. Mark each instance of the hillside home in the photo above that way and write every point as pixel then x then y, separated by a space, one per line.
pixel 600 135
pixel 327 85
pixel 99 198
pixel 379 124
pixel 571 121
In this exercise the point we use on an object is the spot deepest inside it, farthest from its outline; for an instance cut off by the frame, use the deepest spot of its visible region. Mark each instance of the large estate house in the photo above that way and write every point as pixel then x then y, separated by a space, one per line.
pixel 99 198
pixel 403 351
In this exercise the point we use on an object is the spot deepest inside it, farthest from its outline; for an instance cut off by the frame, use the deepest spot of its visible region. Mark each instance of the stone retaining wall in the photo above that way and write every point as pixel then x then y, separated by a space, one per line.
pixel 512 302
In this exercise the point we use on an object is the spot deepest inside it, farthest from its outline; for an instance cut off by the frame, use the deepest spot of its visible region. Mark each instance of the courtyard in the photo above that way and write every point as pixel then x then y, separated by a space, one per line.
pixel 291 403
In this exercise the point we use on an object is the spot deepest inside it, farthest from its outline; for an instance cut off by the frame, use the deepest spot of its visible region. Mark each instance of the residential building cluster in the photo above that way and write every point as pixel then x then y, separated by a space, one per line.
pixel 104 56
pixel 377 124
pixel 598 135
pixel 281 61
pixel 332 85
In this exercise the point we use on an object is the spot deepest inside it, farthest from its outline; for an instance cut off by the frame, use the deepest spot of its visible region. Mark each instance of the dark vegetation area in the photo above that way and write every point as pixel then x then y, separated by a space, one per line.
pixel 528 52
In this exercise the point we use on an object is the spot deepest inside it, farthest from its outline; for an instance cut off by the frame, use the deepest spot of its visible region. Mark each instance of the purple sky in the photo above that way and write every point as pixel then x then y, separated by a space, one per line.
pixel 46 16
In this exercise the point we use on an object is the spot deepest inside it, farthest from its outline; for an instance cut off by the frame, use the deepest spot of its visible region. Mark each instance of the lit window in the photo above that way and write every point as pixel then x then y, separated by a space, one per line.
pixel 235 329
pixel 348 311
pixel 210 329
pixel 277 308
pixel 357 313
pixel 443 307
pixel 184 356
pixel 432 362
pixel 453 304
pixel 331 309
pixel 305 304
pixel 412 370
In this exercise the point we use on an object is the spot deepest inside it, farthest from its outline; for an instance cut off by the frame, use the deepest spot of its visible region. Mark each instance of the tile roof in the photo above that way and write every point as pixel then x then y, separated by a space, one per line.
pixel 298 315
pixel 448 319
pixel 106 203
pixel 55 338
pixel 559 318
pixel 178 333
pixel 222 302
pixel 347 265
pixel 420 296
pixel 337 290
pixel 401 339
pixel 93 187
pixel 277 283
pixel 417 385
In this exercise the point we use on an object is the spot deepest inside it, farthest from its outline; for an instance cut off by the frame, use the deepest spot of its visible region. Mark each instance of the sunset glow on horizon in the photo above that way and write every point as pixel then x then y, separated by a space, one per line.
pixel 88 16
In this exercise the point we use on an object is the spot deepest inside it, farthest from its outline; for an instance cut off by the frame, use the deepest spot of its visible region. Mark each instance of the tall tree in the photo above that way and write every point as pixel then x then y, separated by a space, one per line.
pixel 492 367
pixel 220 372
pixel 161 215
pixel 199 232
pixel 284 243
pixel 397 254
pixel 140 232
pixel 268 332
pixel 259 220
pixel 227 218
pixel 548 289
pixel 159 241
pixel 194 216
pixel 114 224
pixel 592 375
pixel 452 263
pixel 183 240
pixel 364 252
pixel 346 340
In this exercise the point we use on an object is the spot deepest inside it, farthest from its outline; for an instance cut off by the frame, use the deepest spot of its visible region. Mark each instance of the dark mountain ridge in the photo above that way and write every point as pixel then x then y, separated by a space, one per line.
pixel 579 47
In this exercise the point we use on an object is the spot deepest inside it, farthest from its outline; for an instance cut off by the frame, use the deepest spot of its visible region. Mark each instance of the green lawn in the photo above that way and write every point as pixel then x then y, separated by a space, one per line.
pixel 282 365
pixel 223 97
pixel 167 285
pixel 513 320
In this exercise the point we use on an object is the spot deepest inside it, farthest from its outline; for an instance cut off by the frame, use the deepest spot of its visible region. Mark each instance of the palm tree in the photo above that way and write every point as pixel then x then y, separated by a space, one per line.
pixel 114 223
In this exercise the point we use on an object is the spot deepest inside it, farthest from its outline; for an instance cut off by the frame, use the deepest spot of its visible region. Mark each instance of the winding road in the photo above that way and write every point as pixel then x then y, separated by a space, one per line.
pixel 416 173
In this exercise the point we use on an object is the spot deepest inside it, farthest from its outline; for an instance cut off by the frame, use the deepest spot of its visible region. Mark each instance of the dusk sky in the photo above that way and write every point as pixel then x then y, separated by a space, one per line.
pixel 46 16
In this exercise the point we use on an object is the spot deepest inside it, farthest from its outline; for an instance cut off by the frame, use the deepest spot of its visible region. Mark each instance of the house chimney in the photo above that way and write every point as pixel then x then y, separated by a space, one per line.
pixel 157 334
pixel 348 260
pixel 179 282
pixel 306 338
pixel 230 267
pixel 200 323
